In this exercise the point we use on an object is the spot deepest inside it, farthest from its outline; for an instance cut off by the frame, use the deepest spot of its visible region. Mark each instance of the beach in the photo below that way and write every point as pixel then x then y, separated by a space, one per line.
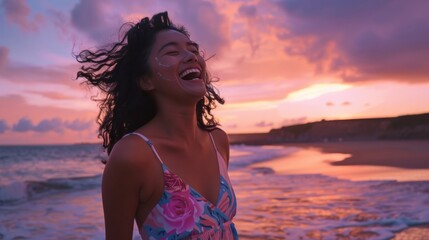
pixel 386 164
pixel 338 190
pixel 410 154
pixel 358 160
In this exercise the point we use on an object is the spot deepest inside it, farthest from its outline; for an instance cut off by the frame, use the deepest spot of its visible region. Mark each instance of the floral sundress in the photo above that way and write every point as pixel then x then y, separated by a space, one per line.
pixel 183 213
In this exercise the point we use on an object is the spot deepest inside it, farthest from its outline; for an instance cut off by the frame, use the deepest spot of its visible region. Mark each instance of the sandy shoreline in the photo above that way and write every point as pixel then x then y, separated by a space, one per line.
pixel 357 161
pixel 402 154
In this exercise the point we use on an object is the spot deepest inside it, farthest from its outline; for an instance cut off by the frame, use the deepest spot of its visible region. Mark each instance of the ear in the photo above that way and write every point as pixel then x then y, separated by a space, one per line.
pixel 146 84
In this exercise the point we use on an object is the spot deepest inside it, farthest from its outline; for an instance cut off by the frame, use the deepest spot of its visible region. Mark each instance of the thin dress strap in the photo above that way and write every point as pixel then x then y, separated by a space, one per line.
pixel 213 142
pixel 223 167
pixel 148 143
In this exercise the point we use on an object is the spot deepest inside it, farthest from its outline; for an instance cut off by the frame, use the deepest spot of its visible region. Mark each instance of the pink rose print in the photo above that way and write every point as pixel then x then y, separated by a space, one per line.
pixel 181 212
pixel 173 183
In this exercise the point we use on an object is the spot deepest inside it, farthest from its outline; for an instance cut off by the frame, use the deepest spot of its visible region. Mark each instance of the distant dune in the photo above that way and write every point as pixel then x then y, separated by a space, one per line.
pixel 407 127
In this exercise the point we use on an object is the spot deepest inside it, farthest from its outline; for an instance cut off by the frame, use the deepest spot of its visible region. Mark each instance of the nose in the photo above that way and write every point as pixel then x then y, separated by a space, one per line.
pixel 189 57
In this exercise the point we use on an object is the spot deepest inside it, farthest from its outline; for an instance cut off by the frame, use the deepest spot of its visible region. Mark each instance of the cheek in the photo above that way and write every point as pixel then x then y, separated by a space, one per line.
pixel 163 68
pixel 164 62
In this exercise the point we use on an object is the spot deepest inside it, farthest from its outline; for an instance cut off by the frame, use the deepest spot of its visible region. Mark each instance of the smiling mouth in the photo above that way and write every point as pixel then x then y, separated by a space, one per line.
pixel 190 74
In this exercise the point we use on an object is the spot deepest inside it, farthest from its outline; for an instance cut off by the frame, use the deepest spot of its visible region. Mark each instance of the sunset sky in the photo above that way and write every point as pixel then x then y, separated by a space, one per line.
pixel 280 62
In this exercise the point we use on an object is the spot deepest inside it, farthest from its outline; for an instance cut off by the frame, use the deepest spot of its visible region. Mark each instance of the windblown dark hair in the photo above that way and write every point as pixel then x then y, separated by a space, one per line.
pixel 116 70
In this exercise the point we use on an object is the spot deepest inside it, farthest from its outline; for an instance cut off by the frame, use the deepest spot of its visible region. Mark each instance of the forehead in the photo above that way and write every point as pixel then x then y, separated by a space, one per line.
pixel 169 36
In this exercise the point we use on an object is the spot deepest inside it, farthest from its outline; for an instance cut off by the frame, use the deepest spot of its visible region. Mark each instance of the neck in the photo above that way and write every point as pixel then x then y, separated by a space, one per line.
pixel 178 122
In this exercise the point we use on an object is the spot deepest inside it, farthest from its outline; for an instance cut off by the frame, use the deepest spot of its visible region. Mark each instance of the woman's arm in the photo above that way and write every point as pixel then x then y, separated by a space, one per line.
pixel 124 178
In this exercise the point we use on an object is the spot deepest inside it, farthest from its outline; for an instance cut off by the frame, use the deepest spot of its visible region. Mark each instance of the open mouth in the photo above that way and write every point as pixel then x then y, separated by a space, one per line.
pixel 190 74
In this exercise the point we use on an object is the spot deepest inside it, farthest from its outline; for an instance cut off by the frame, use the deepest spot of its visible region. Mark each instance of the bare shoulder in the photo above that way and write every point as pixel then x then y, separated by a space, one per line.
pixel 220 136
pixel 222 142
pixel 131 160
pixel 130 151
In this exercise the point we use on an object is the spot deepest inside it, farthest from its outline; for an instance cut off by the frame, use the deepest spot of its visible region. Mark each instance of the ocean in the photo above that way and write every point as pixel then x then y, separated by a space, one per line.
pixel 53 192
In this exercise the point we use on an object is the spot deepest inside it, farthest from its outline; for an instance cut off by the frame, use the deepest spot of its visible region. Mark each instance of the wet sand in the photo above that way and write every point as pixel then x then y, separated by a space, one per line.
pixel 413 233
pixel 401 154
pixel 376 160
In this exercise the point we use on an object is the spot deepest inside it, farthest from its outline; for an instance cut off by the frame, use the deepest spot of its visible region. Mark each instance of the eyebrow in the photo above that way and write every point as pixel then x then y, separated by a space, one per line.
pixel 189 43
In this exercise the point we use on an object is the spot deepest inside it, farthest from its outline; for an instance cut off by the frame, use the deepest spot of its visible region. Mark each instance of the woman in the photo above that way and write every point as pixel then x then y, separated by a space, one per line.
pixel 156 87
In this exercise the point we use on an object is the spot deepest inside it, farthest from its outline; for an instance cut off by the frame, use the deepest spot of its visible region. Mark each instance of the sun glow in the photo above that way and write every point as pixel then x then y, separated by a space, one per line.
pixel 316 90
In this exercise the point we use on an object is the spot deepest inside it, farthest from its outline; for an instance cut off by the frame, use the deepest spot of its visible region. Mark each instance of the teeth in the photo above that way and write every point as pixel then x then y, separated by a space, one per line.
pixel 192 70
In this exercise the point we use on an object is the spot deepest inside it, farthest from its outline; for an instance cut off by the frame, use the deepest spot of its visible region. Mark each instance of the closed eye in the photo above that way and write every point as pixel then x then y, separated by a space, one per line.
pixel 173 53
pixel 194 50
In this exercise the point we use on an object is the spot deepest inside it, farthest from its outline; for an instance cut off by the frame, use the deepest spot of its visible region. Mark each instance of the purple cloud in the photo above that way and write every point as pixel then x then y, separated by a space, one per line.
pixel 206 24
pixel 378 39
pixel 18 12
pixel 3 126
pixel 101 21
pixel 48 125
pixel 248 11
pixel 23 125
pixel 264 124
pixel 97 19
pixel 78 125
pixel 61 21
pixel 4 54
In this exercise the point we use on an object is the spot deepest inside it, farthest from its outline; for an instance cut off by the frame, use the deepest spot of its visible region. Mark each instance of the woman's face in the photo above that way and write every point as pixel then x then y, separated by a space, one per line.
pixel 177 67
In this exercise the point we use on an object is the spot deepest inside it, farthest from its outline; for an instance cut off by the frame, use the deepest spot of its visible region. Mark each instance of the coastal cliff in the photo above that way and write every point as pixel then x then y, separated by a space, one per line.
pixel 405 127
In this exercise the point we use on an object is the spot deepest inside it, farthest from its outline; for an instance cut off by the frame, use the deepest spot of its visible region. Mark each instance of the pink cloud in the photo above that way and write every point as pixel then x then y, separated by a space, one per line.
pixel 250 91
pixel 18 12
pixel 344 104
pixel 230 126
pixel 360 40
pixel 64 75
pixel 293 121
pixel 15 107
pixel 52 95
pixel 22 73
